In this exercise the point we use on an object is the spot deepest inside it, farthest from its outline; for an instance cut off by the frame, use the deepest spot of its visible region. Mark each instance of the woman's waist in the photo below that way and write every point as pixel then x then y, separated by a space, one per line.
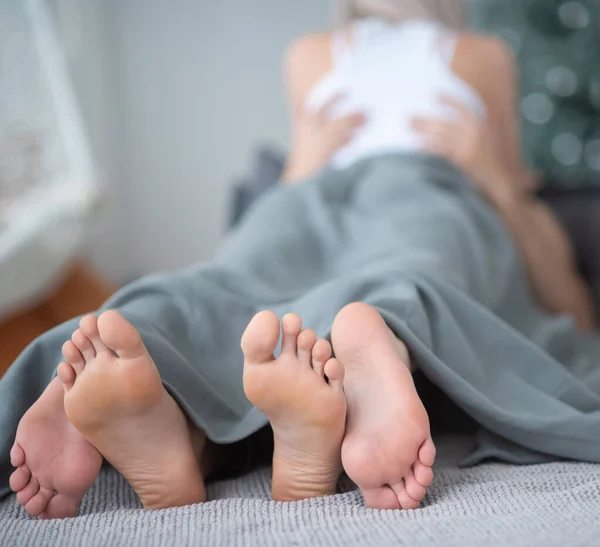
pixel 403 165
pixel 367 149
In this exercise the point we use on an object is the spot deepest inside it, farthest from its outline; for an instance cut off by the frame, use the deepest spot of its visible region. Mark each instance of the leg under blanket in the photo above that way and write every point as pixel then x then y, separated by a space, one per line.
pixel 407 234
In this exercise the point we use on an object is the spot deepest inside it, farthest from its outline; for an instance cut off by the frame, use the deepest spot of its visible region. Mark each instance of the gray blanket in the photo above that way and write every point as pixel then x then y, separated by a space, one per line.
pixel 409 235
pixel 493 505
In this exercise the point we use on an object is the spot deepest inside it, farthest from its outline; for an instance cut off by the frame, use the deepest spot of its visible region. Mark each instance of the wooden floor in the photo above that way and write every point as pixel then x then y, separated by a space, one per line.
pixel 83 291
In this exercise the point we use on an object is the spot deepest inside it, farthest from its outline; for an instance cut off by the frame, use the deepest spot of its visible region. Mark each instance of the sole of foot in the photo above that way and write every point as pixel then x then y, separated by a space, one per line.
pixel 114 396
pixel 55 464
pixel 387 450
pixel 301 393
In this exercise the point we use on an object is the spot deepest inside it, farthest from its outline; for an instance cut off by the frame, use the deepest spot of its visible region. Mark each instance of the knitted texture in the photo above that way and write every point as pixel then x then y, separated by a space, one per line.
pixel 490 505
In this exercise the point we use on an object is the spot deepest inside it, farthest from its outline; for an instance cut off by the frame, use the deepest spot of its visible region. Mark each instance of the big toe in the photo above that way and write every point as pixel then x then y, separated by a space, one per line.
pixel 120 335
pixel 260 338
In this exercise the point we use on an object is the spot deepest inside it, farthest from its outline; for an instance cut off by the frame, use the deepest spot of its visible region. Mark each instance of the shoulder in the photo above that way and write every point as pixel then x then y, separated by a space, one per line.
pixel 306 60
pixel 306 47
pixel 485 50
pixel 487 63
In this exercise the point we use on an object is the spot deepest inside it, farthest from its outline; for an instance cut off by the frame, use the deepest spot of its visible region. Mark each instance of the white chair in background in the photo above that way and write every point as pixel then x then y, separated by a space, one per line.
pixel 47 177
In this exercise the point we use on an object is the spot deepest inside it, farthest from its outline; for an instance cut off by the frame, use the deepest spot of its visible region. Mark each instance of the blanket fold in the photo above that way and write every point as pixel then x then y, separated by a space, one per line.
pixel 407 234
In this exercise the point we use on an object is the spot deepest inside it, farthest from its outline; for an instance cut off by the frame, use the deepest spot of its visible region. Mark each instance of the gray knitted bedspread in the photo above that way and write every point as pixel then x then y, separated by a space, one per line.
pixel 556 504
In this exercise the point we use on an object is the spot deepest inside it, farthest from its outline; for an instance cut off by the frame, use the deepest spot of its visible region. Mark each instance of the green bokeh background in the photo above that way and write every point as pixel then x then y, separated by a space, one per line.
pixel 557 43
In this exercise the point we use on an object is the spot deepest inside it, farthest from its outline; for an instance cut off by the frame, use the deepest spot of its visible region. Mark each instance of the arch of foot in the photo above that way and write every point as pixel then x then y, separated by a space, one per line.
pixel 558 44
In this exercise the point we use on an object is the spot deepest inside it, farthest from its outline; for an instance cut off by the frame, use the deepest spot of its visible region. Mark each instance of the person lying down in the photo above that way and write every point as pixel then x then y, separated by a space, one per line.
pixel 404 240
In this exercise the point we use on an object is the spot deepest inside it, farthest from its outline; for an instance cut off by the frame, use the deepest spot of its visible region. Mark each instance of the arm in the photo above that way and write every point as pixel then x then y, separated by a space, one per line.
pixel 491 68
pixel 488 66
pixel 544 245
pixel 315 136
pixel 541 241
pixel 548 256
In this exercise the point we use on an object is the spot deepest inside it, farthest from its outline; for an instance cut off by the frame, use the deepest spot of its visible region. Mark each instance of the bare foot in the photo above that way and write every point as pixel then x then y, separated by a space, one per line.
pixel 119 404
pixel 306 412
pixel 387 451
pixel 55 464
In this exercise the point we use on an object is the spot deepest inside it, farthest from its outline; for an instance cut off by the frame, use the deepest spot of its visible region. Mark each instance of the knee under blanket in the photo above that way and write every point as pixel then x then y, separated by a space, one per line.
pixel 409 235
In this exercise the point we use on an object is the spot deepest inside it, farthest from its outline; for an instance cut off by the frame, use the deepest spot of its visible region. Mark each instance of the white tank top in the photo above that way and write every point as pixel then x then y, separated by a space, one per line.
pixel 391 73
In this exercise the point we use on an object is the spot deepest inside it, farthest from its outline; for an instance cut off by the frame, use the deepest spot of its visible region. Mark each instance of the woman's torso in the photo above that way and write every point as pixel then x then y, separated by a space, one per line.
pixel 391 73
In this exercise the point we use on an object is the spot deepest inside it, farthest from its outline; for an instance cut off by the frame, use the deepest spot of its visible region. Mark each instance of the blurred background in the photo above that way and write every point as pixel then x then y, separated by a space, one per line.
pixel 127 127
pixel 175 96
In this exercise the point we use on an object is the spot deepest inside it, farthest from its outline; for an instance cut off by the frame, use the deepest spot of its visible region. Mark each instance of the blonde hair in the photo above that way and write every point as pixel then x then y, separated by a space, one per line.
pixel 451 13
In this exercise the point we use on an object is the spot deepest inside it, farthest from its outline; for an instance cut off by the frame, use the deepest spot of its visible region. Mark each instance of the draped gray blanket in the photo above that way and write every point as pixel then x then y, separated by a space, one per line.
pixel 406 234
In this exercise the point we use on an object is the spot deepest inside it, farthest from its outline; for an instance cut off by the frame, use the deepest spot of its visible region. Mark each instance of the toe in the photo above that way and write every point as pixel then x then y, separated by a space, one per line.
pixel 89 327
pixel 120 335
pixel 405 500
pixel 291 326
pixel 17 455
pixel 73 356
pixel 30 490
pixel 19 478
pixel 37 504
pixel 306 341
pixel 415 490
pixel 60 506
pixel 66 375
pixel 423 474
pixel 381 498
pixel 321 354
pixel 335 374
pixel 84 345
pixel 427 452
pixel 260 338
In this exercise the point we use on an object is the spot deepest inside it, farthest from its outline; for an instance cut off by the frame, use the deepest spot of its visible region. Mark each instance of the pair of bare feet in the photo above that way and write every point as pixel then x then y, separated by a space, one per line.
pixel 359 412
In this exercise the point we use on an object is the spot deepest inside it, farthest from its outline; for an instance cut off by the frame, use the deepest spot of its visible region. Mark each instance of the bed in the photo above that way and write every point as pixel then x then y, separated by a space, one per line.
pixel 491 505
